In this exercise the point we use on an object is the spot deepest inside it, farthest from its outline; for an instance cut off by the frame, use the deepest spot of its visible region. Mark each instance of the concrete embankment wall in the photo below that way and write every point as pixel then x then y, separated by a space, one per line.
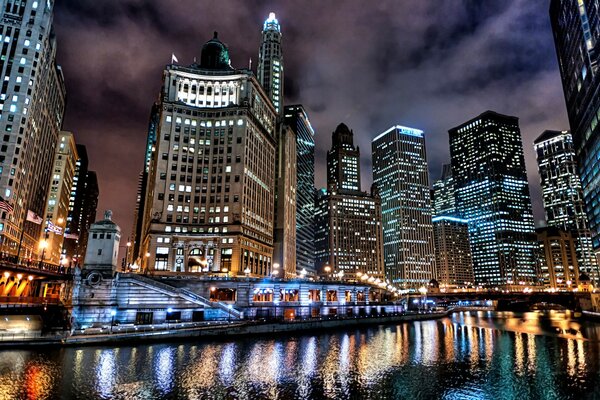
pixel 247 329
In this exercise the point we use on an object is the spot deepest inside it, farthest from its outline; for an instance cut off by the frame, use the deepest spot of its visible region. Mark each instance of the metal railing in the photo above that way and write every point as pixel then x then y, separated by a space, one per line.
pixel 28 300
pixel 30 265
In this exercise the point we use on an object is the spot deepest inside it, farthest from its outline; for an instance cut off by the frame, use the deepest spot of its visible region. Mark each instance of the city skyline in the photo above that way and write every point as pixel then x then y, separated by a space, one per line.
pixel 121 112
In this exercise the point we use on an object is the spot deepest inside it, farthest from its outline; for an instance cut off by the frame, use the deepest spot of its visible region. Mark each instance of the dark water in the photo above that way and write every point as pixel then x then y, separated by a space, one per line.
pixel 469 356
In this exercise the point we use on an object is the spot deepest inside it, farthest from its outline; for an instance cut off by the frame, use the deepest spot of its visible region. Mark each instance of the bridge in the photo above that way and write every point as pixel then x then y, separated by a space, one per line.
pixel 514 301
pixel 27 283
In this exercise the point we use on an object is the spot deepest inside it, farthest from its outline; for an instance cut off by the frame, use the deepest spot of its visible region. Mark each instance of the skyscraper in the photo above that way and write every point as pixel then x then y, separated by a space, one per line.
pixel 296 118
pixel 32 100
pixel 74 229
pixel 270 76
pixel 562 194
pixel 348 221
pixel 576 29
pixel 402 180
pixel 88 212
pixel 492 193
pixel 452 252
pixel 343 162
pixel 211 189
pixel 444 202
pixel 141 210
pixel 59 193
pixel 270 62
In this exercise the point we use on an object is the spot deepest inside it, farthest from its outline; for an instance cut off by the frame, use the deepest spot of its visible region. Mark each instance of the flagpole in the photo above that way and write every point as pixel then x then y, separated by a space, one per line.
pixel 21 239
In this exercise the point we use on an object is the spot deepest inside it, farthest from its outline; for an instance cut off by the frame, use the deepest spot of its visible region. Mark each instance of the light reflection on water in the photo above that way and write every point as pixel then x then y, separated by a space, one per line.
pixel 469 356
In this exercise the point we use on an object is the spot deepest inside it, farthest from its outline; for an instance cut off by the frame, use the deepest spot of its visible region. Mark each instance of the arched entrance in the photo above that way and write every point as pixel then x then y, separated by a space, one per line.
pixel 197 261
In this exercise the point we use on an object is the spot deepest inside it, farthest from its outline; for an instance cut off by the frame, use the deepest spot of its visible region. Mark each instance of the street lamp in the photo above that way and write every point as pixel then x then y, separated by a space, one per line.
pixel 423 291
pixel 303 273
pixel 247 271
pixel 43 246
pixel 327 270
pixel 128 245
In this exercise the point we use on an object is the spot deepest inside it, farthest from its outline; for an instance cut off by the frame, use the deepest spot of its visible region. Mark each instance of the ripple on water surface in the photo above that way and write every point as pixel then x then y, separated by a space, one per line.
pixel 468 356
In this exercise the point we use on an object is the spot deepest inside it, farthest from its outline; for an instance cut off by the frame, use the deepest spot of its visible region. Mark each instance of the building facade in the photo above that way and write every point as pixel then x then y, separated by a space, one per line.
pixel 576 29
pixel 88 213
pixel 210 196
pixel 75 229
pixel 297 119
pixel 444 200
pixel 557 259
pixel 453 252
pixel 348 222
pixel 402 180
pixel 563 195
pixel 492 193
pixel 32 101
pixel 285 204
pixel 59 195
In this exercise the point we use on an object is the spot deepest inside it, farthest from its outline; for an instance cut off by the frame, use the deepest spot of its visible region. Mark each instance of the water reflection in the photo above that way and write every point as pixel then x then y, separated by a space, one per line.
pixel 468 356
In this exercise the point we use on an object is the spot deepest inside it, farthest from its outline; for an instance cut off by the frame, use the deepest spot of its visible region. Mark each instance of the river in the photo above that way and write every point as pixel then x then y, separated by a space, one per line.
pixel 470 355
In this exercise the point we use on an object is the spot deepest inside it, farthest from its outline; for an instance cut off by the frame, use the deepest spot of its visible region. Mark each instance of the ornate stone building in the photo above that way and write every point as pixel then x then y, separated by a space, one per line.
pixel 209 206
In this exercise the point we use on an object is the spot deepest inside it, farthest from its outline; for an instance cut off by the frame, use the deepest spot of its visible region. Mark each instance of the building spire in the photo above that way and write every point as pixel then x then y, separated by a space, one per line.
pixel 270 62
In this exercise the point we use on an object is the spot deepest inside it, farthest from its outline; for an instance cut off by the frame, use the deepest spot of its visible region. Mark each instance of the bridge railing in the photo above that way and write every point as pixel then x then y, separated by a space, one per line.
pixel 20 300
pixel 27 264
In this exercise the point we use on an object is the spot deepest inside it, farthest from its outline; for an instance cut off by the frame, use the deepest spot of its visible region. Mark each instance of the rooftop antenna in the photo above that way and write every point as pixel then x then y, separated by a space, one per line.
pixel 250 64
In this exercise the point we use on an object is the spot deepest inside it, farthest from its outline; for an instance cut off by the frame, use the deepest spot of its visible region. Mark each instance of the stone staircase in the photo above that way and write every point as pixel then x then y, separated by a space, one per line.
pixel 180 292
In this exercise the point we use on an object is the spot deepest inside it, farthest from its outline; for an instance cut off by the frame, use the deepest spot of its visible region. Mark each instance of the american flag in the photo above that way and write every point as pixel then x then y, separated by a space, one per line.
pixel 6 206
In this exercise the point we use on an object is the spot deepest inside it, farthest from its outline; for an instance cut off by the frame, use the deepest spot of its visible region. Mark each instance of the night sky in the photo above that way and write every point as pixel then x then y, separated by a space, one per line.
pixel 371 64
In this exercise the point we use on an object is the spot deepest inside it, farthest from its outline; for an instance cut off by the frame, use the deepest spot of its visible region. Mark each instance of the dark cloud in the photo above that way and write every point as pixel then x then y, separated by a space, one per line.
pixel 426 64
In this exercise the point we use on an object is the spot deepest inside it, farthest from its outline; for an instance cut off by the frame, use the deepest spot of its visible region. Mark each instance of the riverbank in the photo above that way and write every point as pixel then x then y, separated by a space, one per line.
pixel 225 330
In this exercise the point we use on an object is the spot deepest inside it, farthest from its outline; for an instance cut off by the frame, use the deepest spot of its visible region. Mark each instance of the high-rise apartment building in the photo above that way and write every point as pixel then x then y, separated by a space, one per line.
pixel 348 222
pixel 492 193
pixel 211 189
pixel 402 180
pixel 32 101
pixel 297 119
pixel 59 194
pixel 563 195
pixel 576 29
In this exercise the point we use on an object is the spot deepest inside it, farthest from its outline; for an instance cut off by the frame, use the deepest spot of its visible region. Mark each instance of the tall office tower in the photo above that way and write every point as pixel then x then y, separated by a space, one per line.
pixel 402 180
pixel 59 193
pixel 343 162
pixel 348 221
pixel 88 213
pixel 140 210
pixel 563 195
pixel 32 101
pixel 452 252
pixel 576 28
pixel 558 259
pixel 492 193
pixel 296 118
pixel 444 202
pixel 74 229
pixel 210 195
pixel 270 62
pixel 284 253
pixel 270 76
